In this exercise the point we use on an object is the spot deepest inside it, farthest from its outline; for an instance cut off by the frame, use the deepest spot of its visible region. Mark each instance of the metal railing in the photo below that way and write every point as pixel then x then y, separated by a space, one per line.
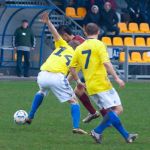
pixel 124 73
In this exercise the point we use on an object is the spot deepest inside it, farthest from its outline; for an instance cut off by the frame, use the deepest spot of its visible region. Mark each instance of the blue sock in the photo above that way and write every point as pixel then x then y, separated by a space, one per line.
pixel 117 124
pixel 35 105
pixel 111 118
pixel 104 124
pixel 75 113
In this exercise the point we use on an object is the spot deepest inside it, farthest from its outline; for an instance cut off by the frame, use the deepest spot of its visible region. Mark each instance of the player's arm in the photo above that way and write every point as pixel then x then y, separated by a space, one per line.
pixel 110 70
pixel 52 29
pixel 70 77
pixel 109 67
pixel 74 75
pixel 74 68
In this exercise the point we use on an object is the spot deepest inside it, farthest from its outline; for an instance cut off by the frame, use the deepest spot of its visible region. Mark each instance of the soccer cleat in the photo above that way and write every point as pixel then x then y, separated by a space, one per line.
pixel 131 138
pixel 28 121
pixel 79 131
pixel 90 117
pixel 97 137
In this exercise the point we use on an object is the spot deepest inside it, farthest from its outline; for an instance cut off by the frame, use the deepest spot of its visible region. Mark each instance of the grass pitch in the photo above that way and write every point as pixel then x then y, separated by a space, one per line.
pixel 51 128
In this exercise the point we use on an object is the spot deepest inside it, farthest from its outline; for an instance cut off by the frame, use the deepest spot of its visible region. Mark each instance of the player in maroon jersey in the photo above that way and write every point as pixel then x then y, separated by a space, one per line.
pixel 68 36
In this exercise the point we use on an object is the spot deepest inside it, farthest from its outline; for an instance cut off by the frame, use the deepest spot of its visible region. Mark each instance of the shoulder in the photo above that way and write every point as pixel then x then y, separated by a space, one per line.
pixel 99 44
pixel 112 11
pixel 79 38
pixel 18 29
pixel 29 30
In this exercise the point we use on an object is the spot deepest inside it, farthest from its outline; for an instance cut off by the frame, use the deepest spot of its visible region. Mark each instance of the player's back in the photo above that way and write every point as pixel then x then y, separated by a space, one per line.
pixel 91 56
pixel 59 60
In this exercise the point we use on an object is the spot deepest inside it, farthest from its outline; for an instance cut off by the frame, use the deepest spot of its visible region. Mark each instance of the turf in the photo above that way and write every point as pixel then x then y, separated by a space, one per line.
pixel 51 128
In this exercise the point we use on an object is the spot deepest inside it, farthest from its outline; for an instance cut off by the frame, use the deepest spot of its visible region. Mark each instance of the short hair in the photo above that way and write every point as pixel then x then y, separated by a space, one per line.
pixel 25 20
pixel 94 6
pixel 91 29
pixel 74 44
pixel 107 3
pixel 62 29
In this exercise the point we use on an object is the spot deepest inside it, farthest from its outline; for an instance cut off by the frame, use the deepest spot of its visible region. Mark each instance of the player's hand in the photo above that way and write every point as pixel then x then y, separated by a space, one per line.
pixel 45 17
pixel 81 85
pixel 32 48
pixel 120 82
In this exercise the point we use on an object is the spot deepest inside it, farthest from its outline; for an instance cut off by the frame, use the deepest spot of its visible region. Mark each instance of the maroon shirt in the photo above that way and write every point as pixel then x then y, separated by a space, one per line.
pixel 79 39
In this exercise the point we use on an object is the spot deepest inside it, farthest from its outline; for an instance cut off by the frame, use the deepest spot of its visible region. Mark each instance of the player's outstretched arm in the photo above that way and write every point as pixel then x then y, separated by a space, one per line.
pixel 52 29
pixel 111 71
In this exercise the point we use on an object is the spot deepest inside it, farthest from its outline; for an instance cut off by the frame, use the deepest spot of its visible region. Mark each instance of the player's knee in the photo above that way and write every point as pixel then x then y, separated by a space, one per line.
pixel 79 92
pixel 73 101
pixel 118 109
pixel 42 93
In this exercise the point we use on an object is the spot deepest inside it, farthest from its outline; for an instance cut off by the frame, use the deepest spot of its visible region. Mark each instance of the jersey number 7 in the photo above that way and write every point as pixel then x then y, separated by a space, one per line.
pixel 88 53
pixel 68 57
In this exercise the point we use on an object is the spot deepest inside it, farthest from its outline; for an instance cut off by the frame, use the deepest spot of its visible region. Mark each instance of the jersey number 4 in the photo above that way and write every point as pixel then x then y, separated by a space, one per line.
pixel 88 55
pixel 68 57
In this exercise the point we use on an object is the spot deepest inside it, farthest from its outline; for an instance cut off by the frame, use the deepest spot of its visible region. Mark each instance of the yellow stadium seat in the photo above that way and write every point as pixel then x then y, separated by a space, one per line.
pixel 144 27
pixel 15 57
pixel 123 27
pixel 117 41
pixel 81 11
pixel 140 41
pixel 122 57
pixel 128 41
pixel 71 12
pixel 146 57
pixel 136 57
pixel 148 42
pixel 133 27
pixel 107 41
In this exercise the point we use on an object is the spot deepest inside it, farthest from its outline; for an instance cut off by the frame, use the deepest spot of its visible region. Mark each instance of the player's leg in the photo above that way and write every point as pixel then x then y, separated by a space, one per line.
pixel 75 114
pixel 63 91
pixel 38 98
pixel 37 101
pixel 83 97
pixel 111 100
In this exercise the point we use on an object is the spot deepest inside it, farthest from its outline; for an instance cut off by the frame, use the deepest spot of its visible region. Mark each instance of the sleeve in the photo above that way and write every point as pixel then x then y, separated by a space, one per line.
pixel 78 68
pixel 60 43
pixel 104 57
pixel 75 62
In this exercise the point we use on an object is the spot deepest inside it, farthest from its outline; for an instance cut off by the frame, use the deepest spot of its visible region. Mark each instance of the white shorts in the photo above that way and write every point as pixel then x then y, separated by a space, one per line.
pixel 57 83
pixel 107 99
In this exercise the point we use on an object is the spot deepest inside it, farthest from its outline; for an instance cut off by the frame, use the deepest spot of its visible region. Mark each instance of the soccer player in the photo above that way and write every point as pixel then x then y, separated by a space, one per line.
pixel 93 58
pixel 68 36
pixel 53 77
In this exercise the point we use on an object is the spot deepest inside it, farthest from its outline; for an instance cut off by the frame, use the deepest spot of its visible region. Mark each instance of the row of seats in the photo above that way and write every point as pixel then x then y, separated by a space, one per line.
pixel 127 41
pixel 79 13
pixel 134 27
pixel 124 28
pixel 136 57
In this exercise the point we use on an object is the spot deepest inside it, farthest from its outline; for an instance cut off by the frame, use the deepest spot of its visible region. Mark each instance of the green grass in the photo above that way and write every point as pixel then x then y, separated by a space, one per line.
pixel 51 128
